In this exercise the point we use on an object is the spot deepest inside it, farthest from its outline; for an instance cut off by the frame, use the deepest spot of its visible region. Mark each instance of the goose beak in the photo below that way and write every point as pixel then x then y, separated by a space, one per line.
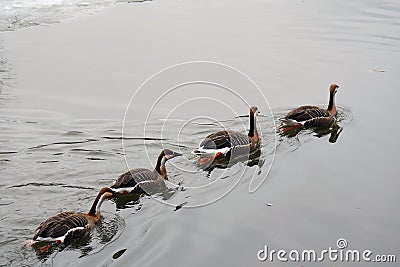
pixel 176 154
pixel 110 195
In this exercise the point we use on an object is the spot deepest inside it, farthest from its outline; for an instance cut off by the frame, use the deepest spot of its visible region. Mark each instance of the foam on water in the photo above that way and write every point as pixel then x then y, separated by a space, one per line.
pixel 16 14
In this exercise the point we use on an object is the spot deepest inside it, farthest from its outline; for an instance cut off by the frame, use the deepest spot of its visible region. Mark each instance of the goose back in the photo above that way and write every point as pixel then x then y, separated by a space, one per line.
pixel 133 177
pixel 66 225
pixel 222 139
pixel 305 113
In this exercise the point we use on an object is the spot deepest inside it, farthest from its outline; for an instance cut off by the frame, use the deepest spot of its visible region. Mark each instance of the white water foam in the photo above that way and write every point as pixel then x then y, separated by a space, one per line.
pixel 16 14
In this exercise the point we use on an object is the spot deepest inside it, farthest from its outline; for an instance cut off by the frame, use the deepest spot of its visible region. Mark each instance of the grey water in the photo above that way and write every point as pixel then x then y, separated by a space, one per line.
pixel 17 14
pixel 83 100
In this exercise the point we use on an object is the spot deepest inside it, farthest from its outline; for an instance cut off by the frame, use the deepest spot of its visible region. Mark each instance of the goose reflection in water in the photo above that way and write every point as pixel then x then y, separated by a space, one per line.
pixel 250 158
pixel 333 129
pixel 132 200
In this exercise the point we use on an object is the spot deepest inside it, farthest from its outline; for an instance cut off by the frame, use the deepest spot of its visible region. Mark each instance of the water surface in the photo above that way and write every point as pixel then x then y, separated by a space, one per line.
pixel 65 89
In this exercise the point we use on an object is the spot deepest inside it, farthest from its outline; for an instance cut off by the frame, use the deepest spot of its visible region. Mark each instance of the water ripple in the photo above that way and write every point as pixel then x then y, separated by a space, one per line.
pixel 64 143
pixel 51 184
pixel 133 138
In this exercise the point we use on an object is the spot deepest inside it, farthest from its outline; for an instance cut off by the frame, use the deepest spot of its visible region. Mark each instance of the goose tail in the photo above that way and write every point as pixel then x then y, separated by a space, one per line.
pixel 203 152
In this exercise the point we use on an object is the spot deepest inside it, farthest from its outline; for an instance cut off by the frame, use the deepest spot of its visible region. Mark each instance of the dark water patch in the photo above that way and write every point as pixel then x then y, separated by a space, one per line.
pixel 133 138
pixel 95 159
pixel 128 201
pixel 178 207
pixel 242 116
pixel 118 253
pixel 36 184
pixel 5 242
pixel 58 154
pixel 139 1
pixel 6 203
pixel 86 150
pixel 93 154
pixel 73 133
pixel 47 161
pixel 78 187
pixel 51 184
pixel 90 151
pixel 8 152
pixel 206 124
pixel 64 143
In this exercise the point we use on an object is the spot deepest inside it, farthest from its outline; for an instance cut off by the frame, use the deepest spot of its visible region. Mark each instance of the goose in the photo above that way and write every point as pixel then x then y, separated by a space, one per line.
pixel 69 225
pixel 132 181
pixel 225 142
pixel 312 116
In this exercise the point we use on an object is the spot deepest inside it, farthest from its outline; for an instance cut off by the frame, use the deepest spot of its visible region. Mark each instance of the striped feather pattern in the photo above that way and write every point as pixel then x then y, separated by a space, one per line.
pixel 61 225
pixel 306 113
pixel 223 139
pixel 319 122
pixel 132 177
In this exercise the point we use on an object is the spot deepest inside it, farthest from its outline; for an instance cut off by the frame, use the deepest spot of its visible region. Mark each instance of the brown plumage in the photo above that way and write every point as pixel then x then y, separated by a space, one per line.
pixel 312 116
pixel 69 225
pixel 135 180
pixel 223 143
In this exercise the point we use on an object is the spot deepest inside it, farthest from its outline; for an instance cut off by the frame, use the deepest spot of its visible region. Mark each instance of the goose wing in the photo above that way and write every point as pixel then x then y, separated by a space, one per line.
pixel 62 225
pixel 319 121
pixel 223 139
pixel 305 113
pixel 133 177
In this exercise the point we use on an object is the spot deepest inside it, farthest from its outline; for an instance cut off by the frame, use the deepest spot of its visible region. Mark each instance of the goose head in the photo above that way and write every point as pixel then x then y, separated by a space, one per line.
pixel 333 88
pixel 254 110
pixel 169 154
